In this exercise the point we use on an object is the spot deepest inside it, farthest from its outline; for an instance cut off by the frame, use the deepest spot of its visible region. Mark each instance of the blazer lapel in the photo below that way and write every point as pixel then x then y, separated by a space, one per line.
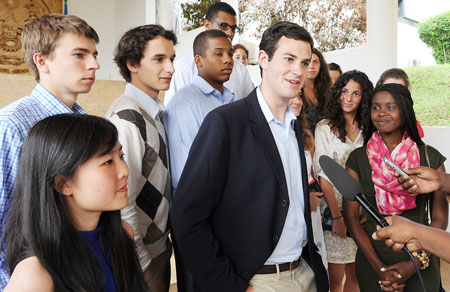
pixel 263 134
pixel 298 133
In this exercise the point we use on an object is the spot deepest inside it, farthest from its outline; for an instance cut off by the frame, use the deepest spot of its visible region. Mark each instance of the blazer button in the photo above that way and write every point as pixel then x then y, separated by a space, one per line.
pixel 275 238
pixel 284 203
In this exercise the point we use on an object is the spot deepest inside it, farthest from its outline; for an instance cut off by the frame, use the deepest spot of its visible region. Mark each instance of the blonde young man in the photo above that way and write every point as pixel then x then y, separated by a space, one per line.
pixel 61 52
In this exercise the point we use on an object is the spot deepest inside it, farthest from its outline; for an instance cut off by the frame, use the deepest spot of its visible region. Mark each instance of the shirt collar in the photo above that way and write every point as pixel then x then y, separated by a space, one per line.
pixel 289 116
pixel 153 106
pixel 224 97
pixel 53 104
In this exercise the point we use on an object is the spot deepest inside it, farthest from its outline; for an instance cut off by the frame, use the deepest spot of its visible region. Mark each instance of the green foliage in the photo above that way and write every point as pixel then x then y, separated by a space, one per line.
pixel 435 32
pixel 194 13
pixel 430 89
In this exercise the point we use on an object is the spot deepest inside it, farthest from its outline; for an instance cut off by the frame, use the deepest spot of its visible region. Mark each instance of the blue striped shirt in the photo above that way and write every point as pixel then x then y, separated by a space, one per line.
pixel 16 120
pixel 183 117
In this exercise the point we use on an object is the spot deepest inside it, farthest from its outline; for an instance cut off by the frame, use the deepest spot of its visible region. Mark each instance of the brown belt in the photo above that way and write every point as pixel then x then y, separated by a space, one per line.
pixel 272 269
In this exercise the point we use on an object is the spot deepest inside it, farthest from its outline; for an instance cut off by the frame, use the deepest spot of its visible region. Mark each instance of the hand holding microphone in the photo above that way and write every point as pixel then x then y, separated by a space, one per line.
pixel 349 188
pixel 399 233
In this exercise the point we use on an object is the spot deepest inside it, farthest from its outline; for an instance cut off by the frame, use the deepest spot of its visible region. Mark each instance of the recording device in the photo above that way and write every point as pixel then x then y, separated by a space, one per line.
pixel 394 166
pixel 351 190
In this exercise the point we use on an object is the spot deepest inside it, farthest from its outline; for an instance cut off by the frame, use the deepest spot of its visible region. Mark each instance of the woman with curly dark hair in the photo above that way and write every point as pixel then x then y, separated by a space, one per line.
pixel 317 89
pixel 336 136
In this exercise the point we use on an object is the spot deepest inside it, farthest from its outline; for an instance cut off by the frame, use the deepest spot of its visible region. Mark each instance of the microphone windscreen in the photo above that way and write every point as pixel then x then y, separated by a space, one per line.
pixel 341 179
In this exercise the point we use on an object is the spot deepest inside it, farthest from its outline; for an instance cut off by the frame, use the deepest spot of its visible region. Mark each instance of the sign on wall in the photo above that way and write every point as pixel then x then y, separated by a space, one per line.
pixel 14 15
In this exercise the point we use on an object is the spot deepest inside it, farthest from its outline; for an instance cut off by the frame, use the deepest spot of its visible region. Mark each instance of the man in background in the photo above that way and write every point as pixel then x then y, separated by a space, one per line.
pixel 189 106
pixel 220 16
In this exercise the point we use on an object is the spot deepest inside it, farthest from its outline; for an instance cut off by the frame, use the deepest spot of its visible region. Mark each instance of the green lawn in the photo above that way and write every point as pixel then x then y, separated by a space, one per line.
pixel 430 89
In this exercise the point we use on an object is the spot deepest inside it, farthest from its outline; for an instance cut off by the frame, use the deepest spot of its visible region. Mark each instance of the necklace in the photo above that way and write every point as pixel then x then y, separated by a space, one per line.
pixel 351 131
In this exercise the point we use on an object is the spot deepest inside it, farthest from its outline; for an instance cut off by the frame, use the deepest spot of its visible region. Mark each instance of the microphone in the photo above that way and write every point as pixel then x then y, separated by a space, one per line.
pixel 351 190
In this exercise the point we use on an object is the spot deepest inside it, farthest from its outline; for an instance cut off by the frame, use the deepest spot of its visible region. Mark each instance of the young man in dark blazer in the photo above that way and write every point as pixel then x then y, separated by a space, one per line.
pixel 241 215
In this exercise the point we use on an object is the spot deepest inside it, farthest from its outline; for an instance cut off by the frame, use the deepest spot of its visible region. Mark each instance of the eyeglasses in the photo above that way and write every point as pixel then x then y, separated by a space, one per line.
pixel 226 27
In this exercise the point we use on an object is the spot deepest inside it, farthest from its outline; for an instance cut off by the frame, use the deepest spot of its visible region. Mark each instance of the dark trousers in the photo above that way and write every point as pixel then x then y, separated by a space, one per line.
pixel 157 275
pixel 185 280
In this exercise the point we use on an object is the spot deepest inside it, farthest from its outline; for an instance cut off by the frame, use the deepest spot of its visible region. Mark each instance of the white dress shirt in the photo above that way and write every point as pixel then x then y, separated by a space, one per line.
pixel 294 235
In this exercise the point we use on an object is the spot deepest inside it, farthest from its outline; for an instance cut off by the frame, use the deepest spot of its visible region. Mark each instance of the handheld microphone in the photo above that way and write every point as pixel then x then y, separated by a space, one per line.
pixel 351 190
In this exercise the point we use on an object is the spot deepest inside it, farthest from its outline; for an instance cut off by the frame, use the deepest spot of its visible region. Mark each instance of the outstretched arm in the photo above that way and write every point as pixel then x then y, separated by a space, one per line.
pixel 421 180
pixel 416 236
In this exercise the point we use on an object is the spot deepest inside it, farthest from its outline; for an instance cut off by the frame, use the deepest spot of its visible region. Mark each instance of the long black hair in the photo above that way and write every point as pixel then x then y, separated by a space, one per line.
pixel 403 99
pixel 322 83
pixel 39 222
pixel 333 110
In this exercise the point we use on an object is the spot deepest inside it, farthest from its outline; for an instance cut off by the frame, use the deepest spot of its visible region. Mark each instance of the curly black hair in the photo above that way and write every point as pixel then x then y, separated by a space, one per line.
pixel 333 109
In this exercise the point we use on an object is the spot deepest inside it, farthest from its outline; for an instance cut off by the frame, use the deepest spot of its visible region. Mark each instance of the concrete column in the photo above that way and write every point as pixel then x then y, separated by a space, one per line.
pixel 150 11
pixel 166 13
pixel 382 31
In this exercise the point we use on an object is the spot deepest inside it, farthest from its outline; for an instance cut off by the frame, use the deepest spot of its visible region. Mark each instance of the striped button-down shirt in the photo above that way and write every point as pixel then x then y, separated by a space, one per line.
pixel 16 120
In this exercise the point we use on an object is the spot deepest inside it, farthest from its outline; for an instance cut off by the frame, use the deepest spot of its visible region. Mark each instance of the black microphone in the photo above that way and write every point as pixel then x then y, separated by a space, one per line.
pixel 351 190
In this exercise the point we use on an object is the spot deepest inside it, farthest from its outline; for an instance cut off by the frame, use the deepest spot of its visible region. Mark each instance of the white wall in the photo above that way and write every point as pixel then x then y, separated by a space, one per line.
pixel 111 19
pixel 411 50
pixel 439 137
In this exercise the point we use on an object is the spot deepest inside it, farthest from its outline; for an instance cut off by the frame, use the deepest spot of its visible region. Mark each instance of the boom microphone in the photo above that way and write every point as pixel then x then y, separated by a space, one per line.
pixel 351 190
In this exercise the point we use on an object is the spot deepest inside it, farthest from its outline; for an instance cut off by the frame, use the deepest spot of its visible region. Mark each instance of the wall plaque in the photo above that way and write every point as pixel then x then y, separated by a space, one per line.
pixel 14 15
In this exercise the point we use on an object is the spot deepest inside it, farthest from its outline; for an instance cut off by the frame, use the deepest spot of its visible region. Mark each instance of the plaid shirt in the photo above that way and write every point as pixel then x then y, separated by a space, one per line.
pixel 16 120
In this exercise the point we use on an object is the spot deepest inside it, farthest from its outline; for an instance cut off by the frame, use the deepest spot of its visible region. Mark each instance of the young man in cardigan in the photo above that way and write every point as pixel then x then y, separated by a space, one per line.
pixel 145 58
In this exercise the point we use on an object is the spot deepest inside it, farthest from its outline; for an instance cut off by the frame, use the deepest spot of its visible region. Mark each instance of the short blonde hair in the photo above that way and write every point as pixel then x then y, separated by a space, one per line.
pixel 42 33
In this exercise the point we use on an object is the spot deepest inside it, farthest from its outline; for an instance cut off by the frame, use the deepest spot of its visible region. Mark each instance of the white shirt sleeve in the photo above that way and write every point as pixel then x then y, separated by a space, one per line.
pixel 240 82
